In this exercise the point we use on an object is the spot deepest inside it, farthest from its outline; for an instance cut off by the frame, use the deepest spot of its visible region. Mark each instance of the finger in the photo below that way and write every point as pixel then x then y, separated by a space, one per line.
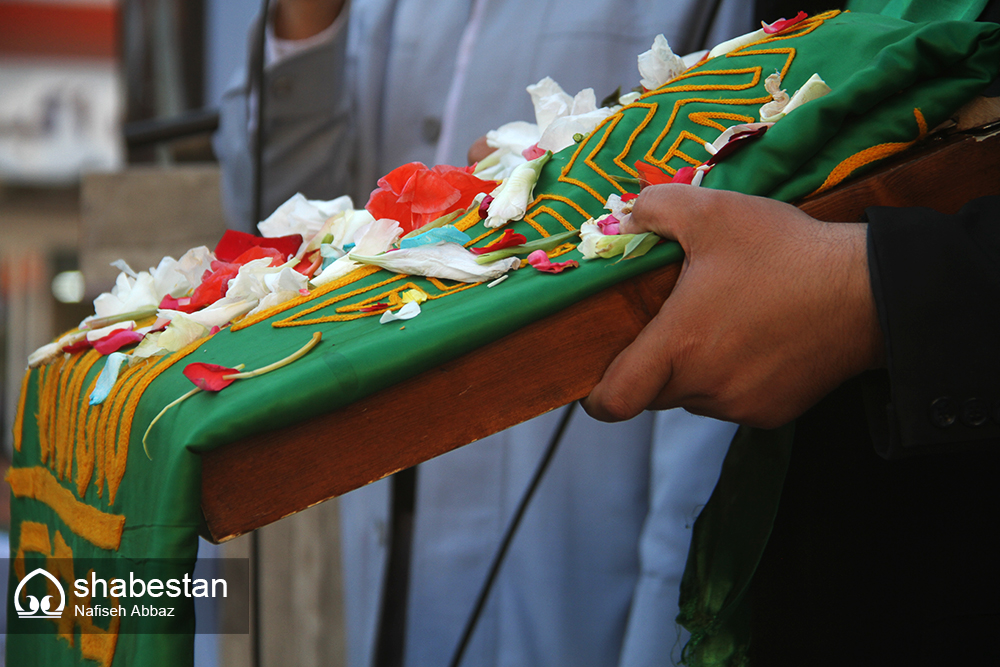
pixel 639 374
pixel 665 210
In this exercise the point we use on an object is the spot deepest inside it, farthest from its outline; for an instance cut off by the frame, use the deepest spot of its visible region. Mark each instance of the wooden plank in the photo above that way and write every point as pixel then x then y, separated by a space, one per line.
pixel 261 479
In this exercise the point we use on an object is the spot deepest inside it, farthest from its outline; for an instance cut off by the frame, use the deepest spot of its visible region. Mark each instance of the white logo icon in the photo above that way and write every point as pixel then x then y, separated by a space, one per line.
pixel 41 609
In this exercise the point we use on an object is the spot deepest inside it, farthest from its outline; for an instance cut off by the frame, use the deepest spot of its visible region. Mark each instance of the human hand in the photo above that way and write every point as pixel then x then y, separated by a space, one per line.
pixel 299 19
pixel 479 149
pixel 772 311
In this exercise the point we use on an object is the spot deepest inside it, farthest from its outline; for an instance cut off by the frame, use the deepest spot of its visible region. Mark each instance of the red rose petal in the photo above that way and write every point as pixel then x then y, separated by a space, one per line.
pixel 234 243
pixel 78 346
pixel 374 308
pixel 782 24
pixel 261 252
pixel 182 304
pixel 684 175
pixel 385 204
pixel 396 179
pixel 651 175
pixel 508 240
pixel 116 340
pixel 209 376
pixel 629 196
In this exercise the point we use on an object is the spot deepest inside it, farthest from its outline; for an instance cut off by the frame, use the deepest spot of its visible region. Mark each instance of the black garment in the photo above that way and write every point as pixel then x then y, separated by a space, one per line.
pixel 895 562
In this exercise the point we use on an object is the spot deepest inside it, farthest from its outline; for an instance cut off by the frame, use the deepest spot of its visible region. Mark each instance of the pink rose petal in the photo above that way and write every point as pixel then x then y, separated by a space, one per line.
pixel 782 24
pixel 540 260
pixel 210 377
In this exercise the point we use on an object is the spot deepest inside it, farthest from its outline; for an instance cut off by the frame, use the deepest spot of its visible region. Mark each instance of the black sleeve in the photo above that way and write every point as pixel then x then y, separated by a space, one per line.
pixel 936 282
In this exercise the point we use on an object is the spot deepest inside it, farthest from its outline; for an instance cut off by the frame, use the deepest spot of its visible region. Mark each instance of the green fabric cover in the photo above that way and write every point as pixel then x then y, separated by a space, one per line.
pixel 883 69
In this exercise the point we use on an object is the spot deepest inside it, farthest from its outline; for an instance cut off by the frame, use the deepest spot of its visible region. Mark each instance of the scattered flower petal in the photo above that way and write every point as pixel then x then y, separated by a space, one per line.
pixel 609 225
pixel 651 175
pixel 449 261
pixel 103 332
pixel 509 239
pixel 772 111
pixel 730 138
pixel 117 340
pixel 234 243
pixel 813 89
pixel 511 198
pixel 106 380
pixel 446 234
pixel 413 295
pixel 374 308
pixel 540 260
pixel 783 24
pixel 209 377
pixel 736 42
pixel 407 312
pixel 659 64
pixel 532 152
pixel 302 216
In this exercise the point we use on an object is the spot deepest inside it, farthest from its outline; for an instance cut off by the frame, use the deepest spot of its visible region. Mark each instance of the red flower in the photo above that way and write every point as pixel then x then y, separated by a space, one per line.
pixel 650 175
pixel 414 195
pixel 782 24
pixel 210 377
pixel 234 243
pixel 508 240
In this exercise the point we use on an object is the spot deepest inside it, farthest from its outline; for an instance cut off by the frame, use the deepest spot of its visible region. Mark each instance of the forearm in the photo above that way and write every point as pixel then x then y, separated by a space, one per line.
pixel 936 283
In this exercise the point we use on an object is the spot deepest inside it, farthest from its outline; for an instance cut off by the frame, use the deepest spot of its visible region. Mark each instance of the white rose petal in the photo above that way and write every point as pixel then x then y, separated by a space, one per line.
pixel 409 310
pixel 449 261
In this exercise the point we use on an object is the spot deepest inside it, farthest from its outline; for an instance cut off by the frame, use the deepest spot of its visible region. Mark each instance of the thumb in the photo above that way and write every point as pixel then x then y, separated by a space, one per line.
pixel 666 210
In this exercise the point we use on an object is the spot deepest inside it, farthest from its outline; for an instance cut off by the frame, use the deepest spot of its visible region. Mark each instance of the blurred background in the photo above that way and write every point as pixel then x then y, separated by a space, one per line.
pixel 106 114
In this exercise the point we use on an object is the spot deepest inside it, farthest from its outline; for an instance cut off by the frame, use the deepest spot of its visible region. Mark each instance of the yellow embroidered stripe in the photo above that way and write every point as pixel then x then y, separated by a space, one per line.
pixel 352 277
pixel 292 320
pixel 70 412
pixel 84 444
pixel 116 454
pixel 89 523
pixel 63 447
pixel 19 417
pixel 705 118
pixel 652 106
pixel 115 467
pixel 869 155
pixel 100 433
pixel 45 378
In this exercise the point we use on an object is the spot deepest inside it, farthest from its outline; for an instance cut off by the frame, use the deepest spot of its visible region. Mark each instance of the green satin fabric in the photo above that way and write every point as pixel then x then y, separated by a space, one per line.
pixel 883 69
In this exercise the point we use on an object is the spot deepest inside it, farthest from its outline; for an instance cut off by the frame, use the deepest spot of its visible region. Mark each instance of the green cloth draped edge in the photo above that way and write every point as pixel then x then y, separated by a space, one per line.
pixel 883 69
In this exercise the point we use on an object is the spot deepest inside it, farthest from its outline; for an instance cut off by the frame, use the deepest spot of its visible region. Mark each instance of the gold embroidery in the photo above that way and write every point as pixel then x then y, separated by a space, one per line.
pixel 100 529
